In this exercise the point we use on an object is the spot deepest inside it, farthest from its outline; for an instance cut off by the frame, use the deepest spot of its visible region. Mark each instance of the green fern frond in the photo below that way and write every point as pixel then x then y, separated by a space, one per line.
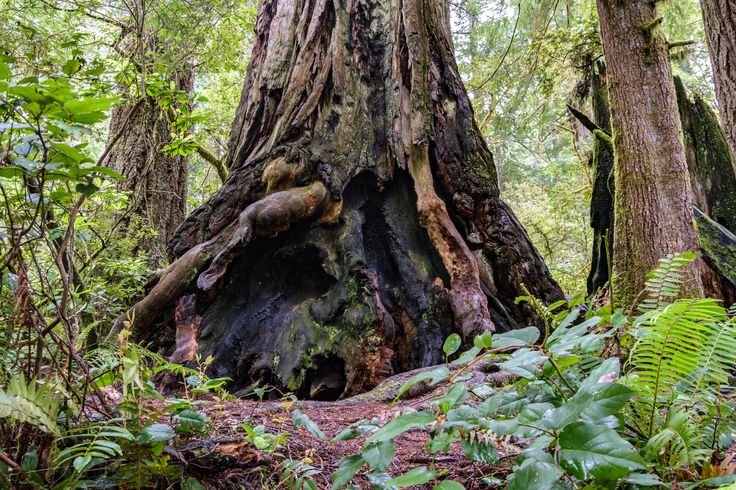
pixel 663 283
pixel 103 363
pixel 680 441
pixel 84 334
pixel 681 350
pixel 718 356
pixel 162 364
pixel 98 441
pixel 31 402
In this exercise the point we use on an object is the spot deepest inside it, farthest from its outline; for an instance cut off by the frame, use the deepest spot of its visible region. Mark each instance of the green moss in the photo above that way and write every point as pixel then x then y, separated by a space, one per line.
pixel 718 244
pixel 311 340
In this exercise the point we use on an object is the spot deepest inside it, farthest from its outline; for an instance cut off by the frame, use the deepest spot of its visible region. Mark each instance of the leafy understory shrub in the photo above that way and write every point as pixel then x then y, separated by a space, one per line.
pixel 132 449
pixel 580 422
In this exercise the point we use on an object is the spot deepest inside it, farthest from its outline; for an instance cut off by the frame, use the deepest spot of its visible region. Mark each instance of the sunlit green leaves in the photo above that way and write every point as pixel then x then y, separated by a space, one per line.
pixel 379 455
pixel 588 450
pixel 400 424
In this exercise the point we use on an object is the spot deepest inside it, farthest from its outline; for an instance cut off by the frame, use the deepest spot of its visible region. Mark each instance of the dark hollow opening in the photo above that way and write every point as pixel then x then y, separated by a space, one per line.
pixel 326 381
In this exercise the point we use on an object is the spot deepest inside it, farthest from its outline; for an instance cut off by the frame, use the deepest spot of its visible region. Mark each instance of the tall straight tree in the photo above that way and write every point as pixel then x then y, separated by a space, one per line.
pixel 654 198
pixel 720 28
pixel 361 222
pixel 156 181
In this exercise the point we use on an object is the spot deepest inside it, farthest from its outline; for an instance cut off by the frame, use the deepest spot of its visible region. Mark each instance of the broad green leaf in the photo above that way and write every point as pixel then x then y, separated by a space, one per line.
pixel 86 189
pixel 29 462
pixel 536 475
pixel 484 340
pixel 434 376
pixel 589 451
pixel 379 455
pixel 355 430
pixel 607 401
pixel 89 104
pixel 10 172
pixel 449 485
pixel 643 480
pixel 452 344
pixel 416 476
pixel 349 466
pixel 379 479
pixel 400 424
pixel 608 370
pixel 504 403
pixel 524 363
pixel 591 403
pixel 466 356
pixel 454 397
pixel 105 171
pixel 155 433
pixel 71 66
pixel 520 337
pixel 564 340
pixel 441 442
pixel 81 462
pixel 300 419
pixel 191 421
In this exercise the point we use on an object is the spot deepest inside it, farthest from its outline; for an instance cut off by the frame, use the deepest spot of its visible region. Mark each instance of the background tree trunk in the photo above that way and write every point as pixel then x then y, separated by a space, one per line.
pixel 361 222
pixel 601 203
pixel 709 158
pixel 719 17
pixel 654 199
pixel 157 182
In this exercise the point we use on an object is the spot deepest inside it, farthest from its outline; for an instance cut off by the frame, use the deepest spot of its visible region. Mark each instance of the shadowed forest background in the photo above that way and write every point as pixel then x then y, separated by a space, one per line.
pixel 367 244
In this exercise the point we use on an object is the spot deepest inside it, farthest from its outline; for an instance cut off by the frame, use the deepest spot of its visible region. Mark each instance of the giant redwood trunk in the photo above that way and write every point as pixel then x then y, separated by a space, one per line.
pixel 361 222
pixel 719 17
pixel 156 181
pixel 654 197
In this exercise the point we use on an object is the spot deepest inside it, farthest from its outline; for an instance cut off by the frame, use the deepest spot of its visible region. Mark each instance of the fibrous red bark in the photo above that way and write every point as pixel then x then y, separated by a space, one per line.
pixel 361 222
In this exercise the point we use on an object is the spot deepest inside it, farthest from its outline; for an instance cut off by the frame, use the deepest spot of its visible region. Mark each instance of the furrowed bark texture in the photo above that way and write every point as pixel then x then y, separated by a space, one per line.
pixel 157 182
pixel 361 222
pixel 653 209
pixel 719 17
pixel 712 176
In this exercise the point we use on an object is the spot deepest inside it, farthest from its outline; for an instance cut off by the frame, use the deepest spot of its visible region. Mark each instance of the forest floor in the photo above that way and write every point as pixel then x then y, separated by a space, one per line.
pixel 238 464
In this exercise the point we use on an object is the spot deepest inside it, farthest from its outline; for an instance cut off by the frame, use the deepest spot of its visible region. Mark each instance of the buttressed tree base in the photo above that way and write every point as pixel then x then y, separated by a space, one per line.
pixel 361 222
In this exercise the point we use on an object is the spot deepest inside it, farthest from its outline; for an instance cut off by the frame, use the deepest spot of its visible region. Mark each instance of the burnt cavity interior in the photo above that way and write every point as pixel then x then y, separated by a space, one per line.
pixel 327 311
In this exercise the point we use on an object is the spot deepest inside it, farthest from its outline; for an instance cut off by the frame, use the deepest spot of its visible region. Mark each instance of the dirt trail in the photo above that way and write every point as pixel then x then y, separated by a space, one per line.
pixel 242 466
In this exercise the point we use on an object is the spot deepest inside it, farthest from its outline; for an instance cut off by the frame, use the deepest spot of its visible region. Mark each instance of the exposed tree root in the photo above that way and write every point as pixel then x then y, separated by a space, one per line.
pixel 268 217
pixel 470 305
pixel 187 326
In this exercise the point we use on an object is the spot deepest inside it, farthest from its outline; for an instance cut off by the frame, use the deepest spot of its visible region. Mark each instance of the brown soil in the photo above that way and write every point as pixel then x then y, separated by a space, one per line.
pixel 231 462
